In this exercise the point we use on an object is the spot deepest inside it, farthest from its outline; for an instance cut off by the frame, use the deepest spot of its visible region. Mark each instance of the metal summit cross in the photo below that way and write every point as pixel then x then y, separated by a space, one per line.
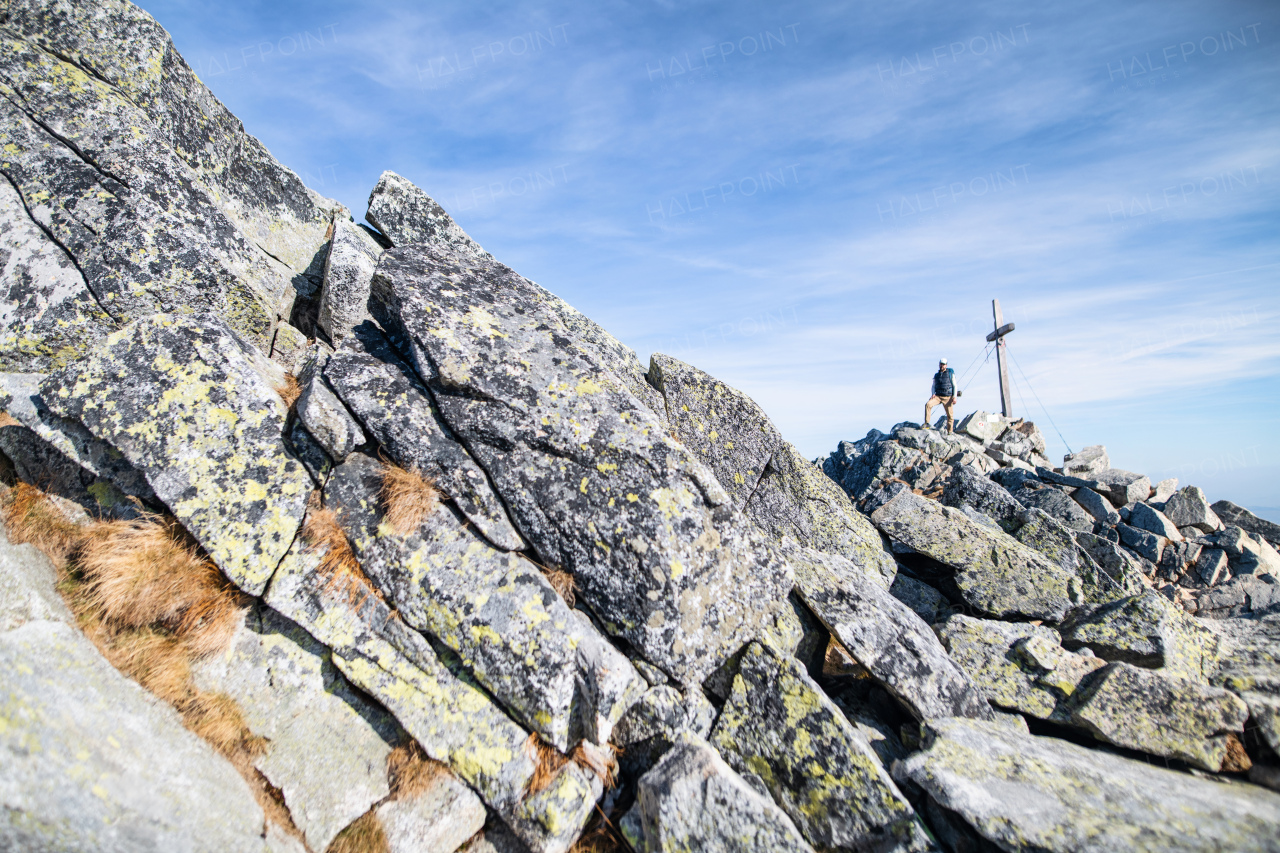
pixel 1001 329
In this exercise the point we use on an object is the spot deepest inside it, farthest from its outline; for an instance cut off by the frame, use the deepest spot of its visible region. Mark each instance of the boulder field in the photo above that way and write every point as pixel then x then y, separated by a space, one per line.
pixel 331 536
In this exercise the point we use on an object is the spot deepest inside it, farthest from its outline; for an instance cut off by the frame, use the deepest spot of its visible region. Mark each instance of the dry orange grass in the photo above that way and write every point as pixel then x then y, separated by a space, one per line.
pixel 338 562
pixel 30 517
pixel 289 390
pixel 548 761
pixel 7 419
pixel 364 835
pixel 411 772
pixel 408 497
pixel 600 836
pixel 564 584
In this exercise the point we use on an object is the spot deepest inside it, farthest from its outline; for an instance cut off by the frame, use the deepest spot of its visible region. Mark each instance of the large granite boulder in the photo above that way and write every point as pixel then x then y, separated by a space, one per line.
pixel 1019 667
pixel 886 637
pixel 546 663
pixel 1056 503
pixel 778 725
pixel 692 800
pixel 967 486
pixel 151 187
pixel 1020 791
pixel 327 745
pixel 1190 508
pixel 389 400
pixel 1230 513
pixel 994 572
pixel 765 476
pixel 407 215
pixel 1090 460
pixel 92 763
pixel 189 403
pixel 591 479
pixel 1249 666
pixel 1162 715
pixel 653 724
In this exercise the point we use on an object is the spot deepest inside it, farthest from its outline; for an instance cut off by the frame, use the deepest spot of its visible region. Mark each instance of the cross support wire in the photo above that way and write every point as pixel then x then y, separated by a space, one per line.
pixel 1001 329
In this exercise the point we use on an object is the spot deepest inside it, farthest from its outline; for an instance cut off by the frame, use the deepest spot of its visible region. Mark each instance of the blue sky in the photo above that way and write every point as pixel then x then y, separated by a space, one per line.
pixel 814 201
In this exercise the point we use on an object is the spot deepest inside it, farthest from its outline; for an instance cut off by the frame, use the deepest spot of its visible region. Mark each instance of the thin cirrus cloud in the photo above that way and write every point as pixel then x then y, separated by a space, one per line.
pixel 817 222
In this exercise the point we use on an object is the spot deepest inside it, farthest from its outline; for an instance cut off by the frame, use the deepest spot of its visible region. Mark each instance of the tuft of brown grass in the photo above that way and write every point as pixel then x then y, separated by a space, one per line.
pixel 564 584
pixel 408 497
pixel 7 419
pixel 289 390
pixel 338 562
pixel 600 836
pixel 31 518
pixel 1237 759
pixel 363 835
pixel 218 719
pixel 411 771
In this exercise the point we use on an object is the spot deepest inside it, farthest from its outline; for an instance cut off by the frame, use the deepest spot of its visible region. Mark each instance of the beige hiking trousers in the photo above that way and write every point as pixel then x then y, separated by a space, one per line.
pixel 948 404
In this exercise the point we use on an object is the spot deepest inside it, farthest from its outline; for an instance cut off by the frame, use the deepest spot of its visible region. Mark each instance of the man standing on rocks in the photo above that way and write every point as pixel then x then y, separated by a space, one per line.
pixel 944 392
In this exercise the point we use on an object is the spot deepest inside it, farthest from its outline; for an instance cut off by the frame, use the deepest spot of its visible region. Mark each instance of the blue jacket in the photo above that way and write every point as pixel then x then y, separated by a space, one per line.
pixel 944 383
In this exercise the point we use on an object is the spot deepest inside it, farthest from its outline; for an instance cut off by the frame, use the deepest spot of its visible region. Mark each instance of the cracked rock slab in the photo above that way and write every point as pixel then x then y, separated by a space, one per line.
pixel 1146 630
pixel 406 215
pixel 692 800
pixel 328 421
pixel 391 403
pixel 778 725
pixel 588 473
pixel 184 401
pixel 899 650
pixel 436 701
pixel 348 269
pixel 1020 791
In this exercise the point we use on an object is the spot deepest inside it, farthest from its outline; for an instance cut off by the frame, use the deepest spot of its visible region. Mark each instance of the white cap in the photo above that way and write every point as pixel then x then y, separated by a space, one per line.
pixel 942 361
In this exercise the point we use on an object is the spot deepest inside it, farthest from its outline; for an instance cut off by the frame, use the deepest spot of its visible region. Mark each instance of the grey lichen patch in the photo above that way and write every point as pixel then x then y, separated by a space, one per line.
pixel 780 726
pixel 184 402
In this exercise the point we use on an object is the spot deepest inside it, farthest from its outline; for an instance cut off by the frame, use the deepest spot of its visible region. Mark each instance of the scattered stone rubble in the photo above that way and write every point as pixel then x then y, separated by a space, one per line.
pixel 636 617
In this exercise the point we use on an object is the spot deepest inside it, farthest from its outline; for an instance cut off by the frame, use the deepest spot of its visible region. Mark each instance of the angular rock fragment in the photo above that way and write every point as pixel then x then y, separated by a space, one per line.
pixel 1230 513
pixel 1249 666
pixel 765 476
pixel 440 818
pixel 982 426
pixel 1056 503
pixel 1020 667
pixel 994 572
pixel 1142 542
pixel 925 601
pixel 780 726
pixel 1211 567
pixel 407 215
pixel 1160 715
pixel 1020 791
pixel 589 476
pixel 327 744
pixel 1146 517
pixel 328 421
pixel 654 723
pixel 692 800
pixel 397 410
pixel 883 635
pixel 968 487
pixel 1097 506
pixel 437 702
pixel 1090 460
pixel 1124 488
pixel 1190 508
pixel 1145 630
pixel 91 761
pixel 184 401
pixel 348 269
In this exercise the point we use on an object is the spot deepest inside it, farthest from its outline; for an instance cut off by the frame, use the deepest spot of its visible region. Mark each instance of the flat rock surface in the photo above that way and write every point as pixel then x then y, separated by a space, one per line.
pixel 91 762
pixel 185 403
pixel 1020 791
pixel 438 820
pixel 591 479
pixel 328 744
pixel 994 572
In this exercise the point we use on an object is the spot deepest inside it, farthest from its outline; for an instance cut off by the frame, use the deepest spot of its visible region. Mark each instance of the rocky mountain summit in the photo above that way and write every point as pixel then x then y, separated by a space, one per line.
pixel 324 536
